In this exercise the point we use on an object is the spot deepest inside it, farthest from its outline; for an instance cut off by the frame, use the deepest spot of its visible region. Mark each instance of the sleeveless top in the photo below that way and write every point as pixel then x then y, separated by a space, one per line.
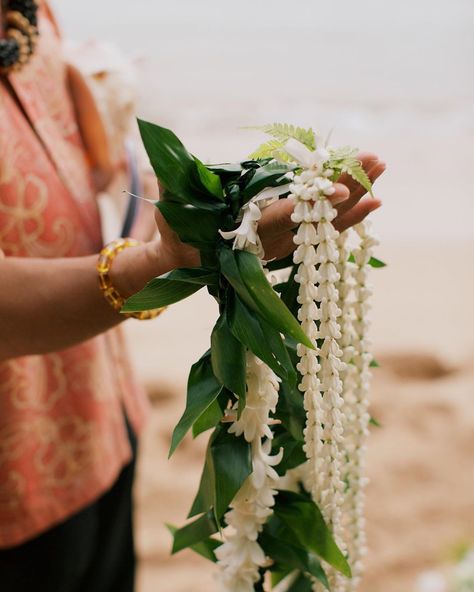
pixel 63 438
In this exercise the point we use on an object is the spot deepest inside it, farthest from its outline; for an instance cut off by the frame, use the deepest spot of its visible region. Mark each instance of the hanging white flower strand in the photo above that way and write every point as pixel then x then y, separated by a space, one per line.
pixel 240 556
pixel 356 347
pixel 320 368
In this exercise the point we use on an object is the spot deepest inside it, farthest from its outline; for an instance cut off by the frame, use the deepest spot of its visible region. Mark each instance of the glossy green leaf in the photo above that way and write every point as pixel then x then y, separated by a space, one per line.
pixel 210 180
pixel 194 226
pixel 227 457
pixel 301 584
pixel 290 410
pixel 228 358
pixel 280 263
pixel 194 275
pixel 373 261
pixel 270 305
pixel 205 548
pixel 287 554
pixel 203 390
pixel 230 269
pixel 208 419
pixel 195 532
pixel 175 167
pixel 293 454
pixel 245 326
pixel 272 174
pixel 159 292
pixel 303 518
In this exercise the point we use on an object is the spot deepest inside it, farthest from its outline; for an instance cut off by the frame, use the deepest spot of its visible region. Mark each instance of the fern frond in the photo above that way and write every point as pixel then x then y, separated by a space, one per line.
pixel 266 150
pixel 343 152
pixel 358 173
pixel 347 163
pixel 284 132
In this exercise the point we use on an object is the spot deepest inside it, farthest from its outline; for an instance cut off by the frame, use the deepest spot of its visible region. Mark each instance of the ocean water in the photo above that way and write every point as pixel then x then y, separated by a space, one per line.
pixel 392 77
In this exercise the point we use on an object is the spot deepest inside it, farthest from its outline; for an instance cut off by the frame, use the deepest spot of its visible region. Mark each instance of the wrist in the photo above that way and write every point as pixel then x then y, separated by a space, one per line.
pixel 136 266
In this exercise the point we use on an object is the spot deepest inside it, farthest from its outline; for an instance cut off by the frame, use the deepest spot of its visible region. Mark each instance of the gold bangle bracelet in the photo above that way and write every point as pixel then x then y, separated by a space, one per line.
pixel 111 294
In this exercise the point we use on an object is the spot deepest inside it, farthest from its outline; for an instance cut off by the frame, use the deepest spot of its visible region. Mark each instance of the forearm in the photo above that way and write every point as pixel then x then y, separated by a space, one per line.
pixel 51 304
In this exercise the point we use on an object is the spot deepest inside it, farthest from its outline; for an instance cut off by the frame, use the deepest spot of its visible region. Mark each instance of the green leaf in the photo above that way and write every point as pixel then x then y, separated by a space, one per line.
pixel 302 516
pixel 176 168
pixel 228 464
pixel 293 454
pixel 284 132
pixel 373 261
pixel 208 419
pixel 272 174
pixel 270 149
pixel 290 410
pixel 374 363
pixel 230 270
pixel 205 548
pixel 195 532
pixel 194 275
pixel 284 553
pixel 265 344
pixel 375 422
pixel 210 180
pixel 280 263
pixel 194 226
pixel 203 390
pixel 161 291
pixel 270 306
pixel 302 584
pixel 228 358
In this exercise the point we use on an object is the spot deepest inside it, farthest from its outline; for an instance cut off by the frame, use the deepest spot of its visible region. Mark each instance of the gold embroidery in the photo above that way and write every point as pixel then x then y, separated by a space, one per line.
pixel 40 394
pixel 12 490
pixel 68 446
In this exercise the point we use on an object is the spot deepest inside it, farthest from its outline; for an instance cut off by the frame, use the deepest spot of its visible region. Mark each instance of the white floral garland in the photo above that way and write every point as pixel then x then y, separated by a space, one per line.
pixel 356 346
pixel 317 255
pixel 335 382
pixel 240 556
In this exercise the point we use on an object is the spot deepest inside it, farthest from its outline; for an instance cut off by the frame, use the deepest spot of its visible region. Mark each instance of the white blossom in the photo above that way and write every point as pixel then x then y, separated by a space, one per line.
pixel 317 254
pixel 246 234
pixel 354 301
pixel 240 556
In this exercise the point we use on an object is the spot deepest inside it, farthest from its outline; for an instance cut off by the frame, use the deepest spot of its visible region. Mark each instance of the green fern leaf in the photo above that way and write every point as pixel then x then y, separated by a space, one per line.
pixel 358 173
pixel 284 132
pixel 266 150
pixel 343 160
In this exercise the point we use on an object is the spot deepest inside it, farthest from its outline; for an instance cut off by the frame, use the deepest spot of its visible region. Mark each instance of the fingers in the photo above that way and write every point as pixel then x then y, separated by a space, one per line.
pixel 357 213
pixel 276 219
pixel 373 173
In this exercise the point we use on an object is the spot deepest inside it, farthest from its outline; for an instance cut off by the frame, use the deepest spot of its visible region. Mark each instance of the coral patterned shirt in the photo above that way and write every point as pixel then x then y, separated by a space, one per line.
pixel 63 438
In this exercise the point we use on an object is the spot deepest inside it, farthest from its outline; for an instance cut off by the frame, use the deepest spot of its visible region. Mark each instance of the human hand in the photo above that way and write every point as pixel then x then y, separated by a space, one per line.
pixel 275 226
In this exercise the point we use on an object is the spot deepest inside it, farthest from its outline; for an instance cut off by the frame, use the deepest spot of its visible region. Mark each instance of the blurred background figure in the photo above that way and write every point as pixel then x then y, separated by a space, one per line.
pixel 395 78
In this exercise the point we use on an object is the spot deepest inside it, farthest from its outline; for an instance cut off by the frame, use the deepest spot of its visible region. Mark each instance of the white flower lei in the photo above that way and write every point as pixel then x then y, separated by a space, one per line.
pixel 356 346
pixel 240 556
pixel 317 255
pixel 335 382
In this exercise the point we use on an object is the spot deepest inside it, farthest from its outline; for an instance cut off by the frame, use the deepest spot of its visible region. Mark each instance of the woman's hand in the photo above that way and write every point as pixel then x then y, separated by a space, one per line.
pixel 275 226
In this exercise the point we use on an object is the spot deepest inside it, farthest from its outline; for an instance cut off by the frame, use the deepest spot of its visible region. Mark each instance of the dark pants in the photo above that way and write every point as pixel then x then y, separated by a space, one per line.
pixel 90 552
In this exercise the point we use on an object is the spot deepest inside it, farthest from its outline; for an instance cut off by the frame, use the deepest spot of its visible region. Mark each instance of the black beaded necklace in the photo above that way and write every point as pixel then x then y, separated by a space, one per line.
pixel 21 34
